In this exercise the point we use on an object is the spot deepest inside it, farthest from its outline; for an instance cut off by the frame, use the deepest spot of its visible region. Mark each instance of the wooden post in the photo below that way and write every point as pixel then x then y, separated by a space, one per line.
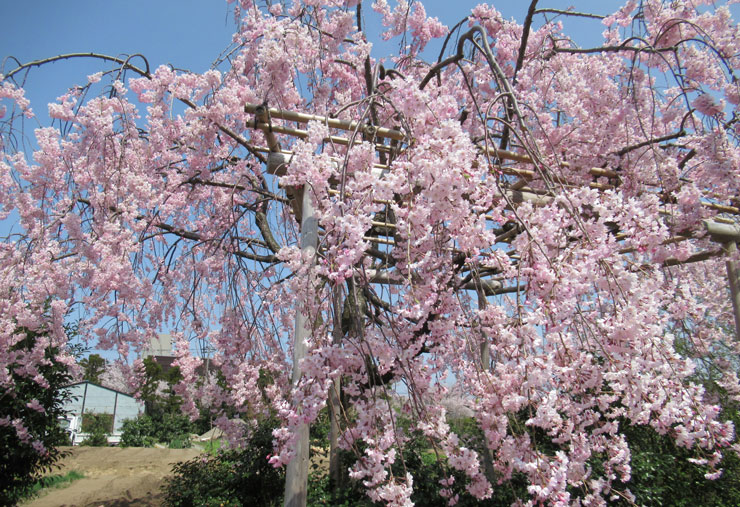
pixel 296 475
pixel 727 232
pixel 334 403
pixel 485 364
pixel 732 277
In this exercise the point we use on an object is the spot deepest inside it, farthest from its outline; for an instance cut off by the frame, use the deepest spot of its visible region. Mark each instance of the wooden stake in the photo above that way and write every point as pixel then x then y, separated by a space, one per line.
pixel 296 475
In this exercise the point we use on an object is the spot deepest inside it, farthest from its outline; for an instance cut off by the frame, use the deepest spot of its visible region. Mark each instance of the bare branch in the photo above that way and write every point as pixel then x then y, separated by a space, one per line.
pixel 569 13
pixel 124 63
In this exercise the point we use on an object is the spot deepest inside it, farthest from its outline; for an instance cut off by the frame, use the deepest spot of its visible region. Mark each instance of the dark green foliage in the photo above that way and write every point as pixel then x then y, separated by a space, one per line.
pixel 98 427
pixel 163 427
pixel 138 432
pixel 92 367
pixel 428 467
pixel 167 402
pixel 92 422
pixel 661 474
pixel 20 464
pixel 232 477
pixel 321 492
pixel 425 466
pixel 163 421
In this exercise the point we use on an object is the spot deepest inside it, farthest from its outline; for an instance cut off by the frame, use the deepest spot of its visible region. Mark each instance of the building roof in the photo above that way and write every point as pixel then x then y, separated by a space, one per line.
pixel 100 386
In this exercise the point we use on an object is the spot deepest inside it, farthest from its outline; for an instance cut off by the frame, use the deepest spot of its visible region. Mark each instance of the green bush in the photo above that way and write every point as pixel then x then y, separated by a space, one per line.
pixel 180 442
pixel 661 474
pixel 321 492
pixel 20 464
pixel 98 427
pixel 173 426
pixel 232 477
pixel 92 422
pixel 138 432
pixel 173 429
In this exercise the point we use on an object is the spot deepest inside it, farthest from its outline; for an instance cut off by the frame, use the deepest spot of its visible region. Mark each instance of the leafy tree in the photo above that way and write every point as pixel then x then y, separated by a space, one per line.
pixel 30 432
pixel 92 367
pixel 524 219
pixel 163 421
pixel 157 390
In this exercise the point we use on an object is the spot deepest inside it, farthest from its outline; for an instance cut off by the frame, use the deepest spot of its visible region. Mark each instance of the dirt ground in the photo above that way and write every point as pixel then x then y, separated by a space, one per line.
pixel 114 477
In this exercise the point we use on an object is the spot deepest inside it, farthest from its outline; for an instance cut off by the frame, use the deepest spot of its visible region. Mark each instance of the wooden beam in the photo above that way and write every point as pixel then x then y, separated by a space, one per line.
pixel 335 123
pixel 723 231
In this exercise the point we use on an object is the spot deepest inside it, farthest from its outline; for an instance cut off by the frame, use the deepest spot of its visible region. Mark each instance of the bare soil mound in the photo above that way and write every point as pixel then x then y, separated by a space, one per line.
pixel 114 477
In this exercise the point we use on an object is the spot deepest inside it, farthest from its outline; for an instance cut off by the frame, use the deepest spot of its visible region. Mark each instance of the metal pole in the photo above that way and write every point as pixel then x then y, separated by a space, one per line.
pixel 296 475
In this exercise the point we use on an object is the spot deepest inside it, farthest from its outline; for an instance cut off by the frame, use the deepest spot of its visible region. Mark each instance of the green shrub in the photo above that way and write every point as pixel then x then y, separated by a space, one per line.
pixel 92 422
pixel 661 474
pixel 172 426
pixel 232 477
pixel 173 429
pixel 138 432
pixel 321 492
pixel 98 427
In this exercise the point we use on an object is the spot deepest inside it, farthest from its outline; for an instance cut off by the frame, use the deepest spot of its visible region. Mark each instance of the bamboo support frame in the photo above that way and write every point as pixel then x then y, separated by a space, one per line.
pixel 335 123
pixel 720 230
pixel 726 232
pixel 262 113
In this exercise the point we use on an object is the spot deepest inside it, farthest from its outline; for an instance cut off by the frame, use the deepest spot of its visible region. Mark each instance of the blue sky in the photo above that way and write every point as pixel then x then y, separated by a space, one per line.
pixel 185 33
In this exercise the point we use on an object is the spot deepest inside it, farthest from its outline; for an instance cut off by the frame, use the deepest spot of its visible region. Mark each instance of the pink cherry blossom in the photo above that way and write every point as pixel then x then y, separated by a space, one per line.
pixel 526 248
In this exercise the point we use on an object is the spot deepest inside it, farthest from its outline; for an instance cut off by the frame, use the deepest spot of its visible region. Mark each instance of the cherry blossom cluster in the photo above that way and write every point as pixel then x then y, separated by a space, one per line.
pixel 534 232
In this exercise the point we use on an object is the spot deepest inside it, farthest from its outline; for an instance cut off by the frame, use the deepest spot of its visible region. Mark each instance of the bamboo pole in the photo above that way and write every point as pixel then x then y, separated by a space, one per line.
pixel 263 113
pixel 335 123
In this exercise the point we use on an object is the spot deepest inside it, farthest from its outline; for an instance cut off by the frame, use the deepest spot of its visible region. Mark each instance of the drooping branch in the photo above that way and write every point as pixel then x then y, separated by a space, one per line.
pixel 561 12
pixel 182 233
pixel 657 140
pixel 124 63
pixel 613 49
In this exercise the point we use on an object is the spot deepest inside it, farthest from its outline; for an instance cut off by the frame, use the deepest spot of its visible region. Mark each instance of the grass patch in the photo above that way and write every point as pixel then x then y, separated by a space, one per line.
pixel 54 482
pixel 212 446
